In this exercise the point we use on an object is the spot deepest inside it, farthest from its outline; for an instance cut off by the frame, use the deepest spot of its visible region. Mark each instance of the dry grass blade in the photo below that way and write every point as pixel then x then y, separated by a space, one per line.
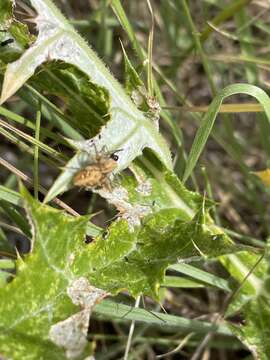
pixel 43 191
pixel 182 343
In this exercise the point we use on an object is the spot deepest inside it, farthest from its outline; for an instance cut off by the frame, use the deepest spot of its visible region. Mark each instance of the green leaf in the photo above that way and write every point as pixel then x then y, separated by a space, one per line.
pixel 137 260
pixel 109 309
pixel 6 13
pixel 210 117
pixel 132 79
pixel 252 300
pixel 133 260
pixel 149 236
pixel 202 276
pixel 5 264
pixel 180 282
pixel 127 259
pixel 84 99
pixel 10 196
pixel 255 332
pixel 37 298
pixel 160 223
pixel 14 32
pixel 129 129
pixel 15 198
pixel 14 215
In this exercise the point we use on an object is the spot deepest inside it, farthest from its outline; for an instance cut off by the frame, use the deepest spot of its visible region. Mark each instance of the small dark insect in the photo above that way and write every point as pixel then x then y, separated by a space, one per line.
pixel 6 42
pixel 88 240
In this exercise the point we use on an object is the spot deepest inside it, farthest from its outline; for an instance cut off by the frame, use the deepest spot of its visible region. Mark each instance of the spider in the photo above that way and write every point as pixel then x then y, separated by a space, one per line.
pixel 96 175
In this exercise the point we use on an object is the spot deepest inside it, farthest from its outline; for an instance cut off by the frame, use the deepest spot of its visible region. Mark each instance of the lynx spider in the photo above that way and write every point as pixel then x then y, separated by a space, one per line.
pixel 96 175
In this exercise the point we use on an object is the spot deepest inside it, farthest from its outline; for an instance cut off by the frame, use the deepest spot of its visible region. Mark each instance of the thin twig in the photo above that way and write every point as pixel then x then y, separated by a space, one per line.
pixel 41 189
pixel 11 228
pixel 131 331
pixel 202 345
pixel 36 142
pixel 177 349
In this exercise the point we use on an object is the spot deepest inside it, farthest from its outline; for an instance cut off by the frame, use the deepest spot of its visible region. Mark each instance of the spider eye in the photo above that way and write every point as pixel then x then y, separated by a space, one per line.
pixel 114 157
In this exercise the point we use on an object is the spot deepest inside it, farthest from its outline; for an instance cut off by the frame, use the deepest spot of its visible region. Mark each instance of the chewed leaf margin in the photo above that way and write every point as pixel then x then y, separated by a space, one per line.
pixel 129 129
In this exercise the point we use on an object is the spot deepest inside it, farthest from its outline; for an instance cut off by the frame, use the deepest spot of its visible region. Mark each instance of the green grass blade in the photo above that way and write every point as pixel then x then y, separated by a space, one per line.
pixel 37 132
pixel 16 217
pixel 180 282
pixel 225 14
pixel 121 15
pixel 28 123
pixel 210 117
pixel 202 276
pixel 111 309
pixel 198 45
pixel 11 196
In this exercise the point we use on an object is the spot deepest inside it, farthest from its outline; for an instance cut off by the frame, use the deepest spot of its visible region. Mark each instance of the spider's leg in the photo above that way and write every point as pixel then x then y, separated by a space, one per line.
pixel 107 184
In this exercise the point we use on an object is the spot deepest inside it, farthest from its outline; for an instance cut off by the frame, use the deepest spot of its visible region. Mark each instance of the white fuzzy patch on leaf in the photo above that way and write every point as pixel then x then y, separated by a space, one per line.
pixel 83 294
pixel 144 188
pixel 133 213
pixel 71 333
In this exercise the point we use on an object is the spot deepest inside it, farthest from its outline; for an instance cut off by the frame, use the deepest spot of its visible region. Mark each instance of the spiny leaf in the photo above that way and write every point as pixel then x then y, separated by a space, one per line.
pixel 129 129
pixel 162 223
pixel 124 260
pixel 37 298
pixel 166 223
pixel 137 260
pixel 134 260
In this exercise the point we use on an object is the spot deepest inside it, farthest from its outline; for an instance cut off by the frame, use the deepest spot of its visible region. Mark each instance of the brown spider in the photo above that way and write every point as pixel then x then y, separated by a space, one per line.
pixel 96 175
